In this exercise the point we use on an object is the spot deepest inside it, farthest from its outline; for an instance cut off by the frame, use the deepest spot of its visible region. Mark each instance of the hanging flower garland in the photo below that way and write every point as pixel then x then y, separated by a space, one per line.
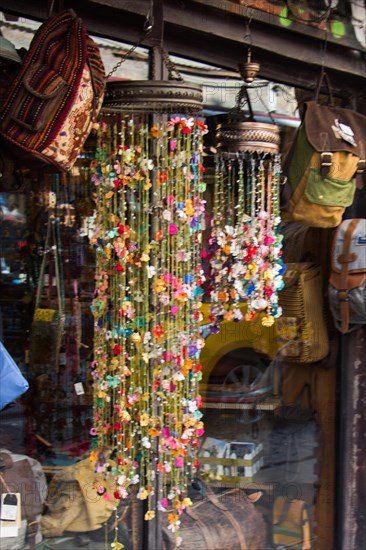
pixel 245 242
pixel 147 343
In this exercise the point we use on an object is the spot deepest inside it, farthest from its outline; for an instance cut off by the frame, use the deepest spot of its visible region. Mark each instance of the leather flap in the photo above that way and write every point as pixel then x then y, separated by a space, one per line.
pixel 6 460
pixel 354 280
pixel 331 128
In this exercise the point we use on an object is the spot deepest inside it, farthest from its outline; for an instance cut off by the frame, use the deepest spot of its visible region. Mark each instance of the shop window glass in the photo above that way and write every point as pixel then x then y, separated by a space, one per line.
pixel 252 441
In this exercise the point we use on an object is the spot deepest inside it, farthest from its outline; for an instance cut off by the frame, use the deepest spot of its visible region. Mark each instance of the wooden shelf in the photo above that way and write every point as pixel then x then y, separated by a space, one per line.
pixel 269 404
pixel 253 484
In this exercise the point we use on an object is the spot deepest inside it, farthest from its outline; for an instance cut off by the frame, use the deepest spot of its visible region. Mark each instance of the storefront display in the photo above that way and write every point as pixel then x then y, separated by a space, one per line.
pixel 175 334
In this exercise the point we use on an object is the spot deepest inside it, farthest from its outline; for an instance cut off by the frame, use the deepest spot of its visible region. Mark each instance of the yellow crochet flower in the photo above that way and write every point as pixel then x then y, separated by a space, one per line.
pixel 117 545
pixel 144 419
pixel 159 285
pixel 143 494
pixel 126 417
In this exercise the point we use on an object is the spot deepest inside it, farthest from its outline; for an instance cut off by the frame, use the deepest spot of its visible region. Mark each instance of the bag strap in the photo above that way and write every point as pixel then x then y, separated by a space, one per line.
pixel 304 390
pixel 306 531
pixel 32 523
pixel 51 236
pixel 344 259
pixel 324 77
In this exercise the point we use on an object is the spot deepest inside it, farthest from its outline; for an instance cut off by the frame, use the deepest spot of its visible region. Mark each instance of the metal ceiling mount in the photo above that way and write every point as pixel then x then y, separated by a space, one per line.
pixel 154 96
pixel 249 69
pixel 157 95
pixel 242 133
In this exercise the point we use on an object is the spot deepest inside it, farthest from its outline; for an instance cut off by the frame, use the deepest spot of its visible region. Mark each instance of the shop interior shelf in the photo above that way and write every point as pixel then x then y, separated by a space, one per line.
pixel 268 404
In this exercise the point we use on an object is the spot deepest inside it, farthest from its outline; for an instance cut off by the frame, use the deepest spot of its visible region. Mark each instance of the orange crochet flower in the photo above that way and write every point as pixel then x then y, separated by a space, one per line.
pixel 155 131
pixel 223 296
pixel 158 331
pixel 172 518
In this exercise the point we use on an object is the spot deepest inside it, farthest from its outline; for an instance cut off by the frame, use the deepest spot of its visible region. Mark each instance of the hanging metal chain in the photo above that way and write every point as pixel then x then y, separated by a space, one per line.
pixel 170 65
pixel 147 29
pixel 148 25
pixel 296 11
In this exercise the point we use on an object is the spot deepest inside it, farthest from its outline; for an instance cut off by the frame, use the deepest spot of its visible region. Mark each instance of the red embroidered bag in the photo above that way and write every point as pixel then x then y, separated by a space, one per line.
pixel 55 98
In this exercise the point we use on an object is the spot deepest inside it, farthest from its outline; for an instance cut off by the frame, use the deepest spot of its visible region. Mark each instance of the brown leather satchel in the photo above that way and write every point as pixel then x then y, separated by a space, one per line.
pixel 16 476
pixel 227 520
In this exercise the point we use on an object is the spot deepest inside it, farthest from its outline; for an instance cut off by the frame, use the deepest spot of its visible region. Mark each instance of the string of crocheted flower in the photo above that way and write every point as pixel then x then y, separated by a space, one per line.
pixel 245 242
pixel 149 278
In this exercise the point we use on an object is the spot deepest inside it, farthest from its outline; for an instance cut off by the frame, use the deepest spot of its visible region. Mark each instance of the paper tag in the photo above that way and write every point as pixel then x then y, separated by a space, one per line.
pixel 343 131
pixel 10 528
pixel 79 388
pixel 10 502
pixel 346 129
pixel 52 199
pixel 9 505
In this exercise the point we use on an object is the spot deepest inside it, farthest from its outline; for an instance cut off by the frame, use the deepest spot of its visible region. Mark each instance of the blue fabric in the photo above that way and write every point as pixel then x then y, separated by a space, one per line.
pixel 12 382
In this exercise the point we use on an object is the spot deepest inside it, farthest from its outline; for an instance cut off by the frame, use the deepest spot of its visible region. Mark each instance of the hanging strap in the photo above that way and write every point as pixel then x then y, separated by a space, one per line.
pixel 344 259
pixel 326 155
pixel 50 237
pixel 324 77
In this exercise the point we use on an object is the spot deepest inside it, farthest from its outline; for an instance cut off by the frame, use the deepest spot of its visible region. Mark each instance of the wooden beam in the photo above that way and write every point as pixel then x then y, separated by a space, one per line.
pixel 351 485
pixel 202 32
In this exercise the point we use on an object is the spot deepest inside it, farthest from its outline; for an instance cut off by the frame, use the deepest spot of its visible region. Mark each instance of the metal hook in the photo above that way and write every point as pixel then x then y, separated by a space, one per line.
pixel 149 21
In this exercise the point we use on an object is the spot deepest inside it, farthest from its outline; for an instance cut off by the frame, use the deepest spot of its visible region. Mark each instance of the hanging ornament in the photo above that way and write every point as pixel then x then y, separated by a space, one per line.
pixel 148 238
pixel 245 241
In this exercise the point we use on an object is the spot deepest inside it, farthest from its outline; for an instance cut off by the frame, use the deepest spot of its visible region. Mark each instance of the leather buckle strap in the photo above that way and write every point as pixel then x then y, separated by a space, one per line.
pixel 32 530
pixel 361 166
pixel 343 292
pixel 343 295
pixel 326 158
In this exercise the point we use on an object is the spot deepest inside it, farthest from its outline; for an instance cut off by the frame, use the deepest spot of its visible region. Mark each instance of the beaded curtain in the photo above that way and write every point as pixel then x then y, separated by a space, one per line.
pixel 148 238
pixel 245 242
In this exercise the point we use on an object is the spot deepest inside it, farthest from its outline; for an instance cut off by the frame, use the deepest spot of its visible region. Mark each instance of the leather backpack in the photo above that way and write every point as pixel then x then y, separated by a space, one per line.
pixel 53 101
pixel 321 167
pixel 347 281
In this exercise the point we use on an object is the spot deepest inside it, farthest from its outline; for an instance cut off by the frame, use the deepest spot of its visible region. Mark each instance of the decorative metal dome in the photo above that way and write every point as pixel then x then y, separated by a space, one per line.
pixel 242 133
pixel 154 96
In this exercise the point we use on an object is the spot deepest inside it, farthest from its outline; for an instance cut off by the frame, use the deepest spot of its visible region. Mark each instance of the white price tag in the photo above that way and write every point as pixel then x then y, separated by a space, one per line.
pixel 79 388
pixel 11 515
pixel 9 506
